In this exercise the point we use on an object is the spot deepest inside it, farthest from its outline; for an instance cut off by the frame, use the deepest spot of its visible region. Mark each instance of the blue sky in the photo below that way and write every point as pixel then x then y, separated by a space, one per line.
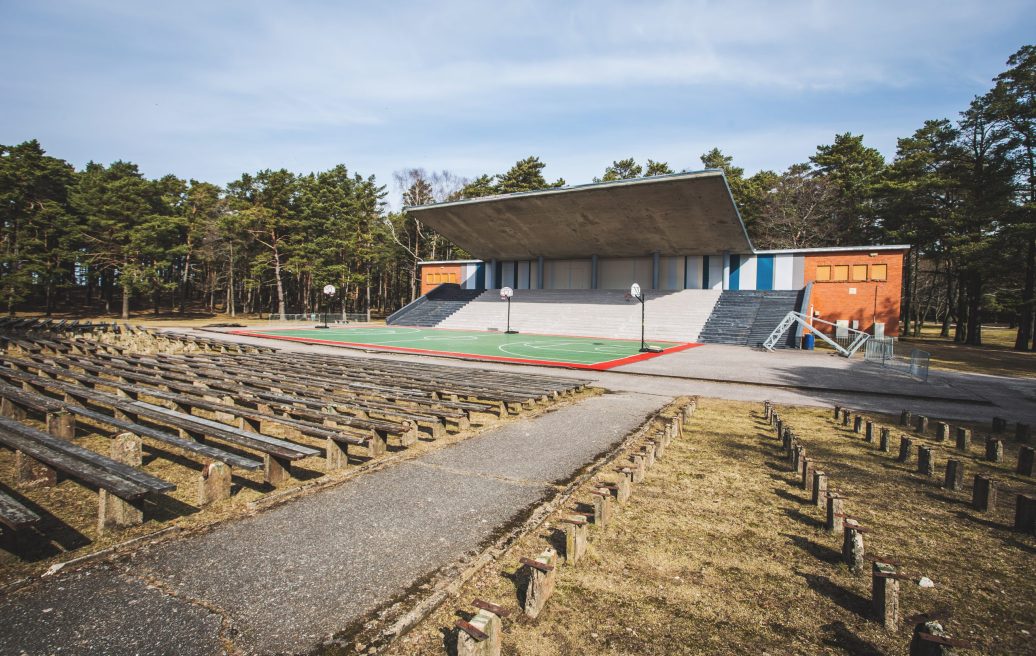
pixel 209 90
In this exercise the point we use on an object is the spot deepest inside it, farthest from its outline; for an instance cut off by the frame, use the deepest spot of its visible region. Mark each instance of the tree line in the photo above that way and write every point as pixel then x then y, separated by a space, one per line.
pixel 962 192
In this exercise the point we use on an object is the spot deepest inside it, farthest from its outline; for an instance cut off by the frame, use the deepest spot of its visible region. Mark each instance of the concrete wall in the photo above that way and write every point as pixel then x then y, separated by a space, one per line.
pixel 620 273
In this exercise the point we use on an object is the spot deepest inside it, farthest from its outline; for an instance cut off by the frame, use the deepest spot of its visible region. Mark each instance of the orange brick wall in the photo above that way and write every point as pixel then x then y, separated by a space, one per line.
pixel 833 300
pixel 433 275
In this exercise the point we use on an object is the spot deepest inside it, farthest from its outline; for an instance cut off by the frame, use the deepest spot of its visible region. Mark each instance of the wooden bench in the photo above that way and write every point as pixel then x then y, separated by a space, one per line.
pixel 278 454
pixel 14 515
pixel 127 484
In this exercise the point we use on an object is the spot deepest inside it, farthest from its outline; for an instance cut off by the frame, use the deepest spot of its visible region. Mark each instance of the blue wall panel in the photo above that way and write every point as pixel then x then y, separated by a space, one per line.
pixel 735 273
pixel 764 272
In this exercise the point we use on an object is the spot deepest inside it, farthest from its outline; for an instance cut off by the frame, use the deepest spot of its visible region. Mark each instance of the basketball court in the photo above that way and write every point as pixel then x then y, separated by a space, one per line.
pixel 594 353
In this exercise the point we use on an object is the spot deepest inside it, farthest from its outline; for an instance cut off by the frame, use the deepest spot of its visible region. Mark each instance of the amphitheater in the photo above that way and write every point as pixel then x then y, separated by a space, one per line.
pixel 287 488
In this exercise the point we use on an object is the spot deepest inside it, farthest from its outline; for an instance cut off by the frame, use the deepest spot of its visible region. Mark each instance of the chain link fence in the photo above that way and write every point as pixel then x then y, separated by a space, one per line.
pixel 882 351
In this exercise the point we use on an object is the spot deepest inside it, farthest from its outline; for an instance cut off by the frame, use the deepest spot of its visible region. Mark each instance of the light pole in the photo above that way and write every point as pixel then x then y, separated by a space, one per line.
pixel 505 295
pixel 329 292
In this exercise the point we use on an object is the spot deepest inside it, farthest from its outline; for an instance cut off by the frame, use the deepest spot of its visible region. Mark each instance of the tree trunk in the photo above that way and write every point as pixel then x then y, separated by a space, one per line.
pixel 974 336
pixel 1025 311
pixel 960 333
pixel 184 281
pixel 280 284
pixel 125 300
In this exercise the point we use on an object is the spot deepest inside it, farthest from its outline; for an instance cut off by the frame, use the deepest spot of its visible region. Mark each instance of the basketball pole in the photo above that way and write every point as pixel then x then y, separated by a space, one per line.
pixel 643 346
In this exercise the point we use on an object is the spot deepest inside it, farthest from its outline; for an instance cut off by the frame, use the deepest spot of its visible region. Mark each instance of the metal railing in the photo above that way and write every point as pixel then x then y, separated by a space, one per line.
pixel 882 351
pixel 350 317
pixel 846 345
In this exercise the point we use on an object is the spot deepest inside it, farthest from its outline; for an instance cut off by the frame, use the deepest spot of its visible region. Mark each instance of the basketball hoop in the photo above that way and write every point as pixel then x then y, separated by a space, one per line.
pixel 636 293
pixel 505 295
pixel 329 291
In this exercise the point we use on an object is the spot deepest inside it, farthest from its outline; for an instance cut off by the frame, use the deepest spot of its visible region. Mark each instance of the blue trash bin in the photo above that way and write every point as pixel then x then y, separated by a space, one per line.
pixel 809 340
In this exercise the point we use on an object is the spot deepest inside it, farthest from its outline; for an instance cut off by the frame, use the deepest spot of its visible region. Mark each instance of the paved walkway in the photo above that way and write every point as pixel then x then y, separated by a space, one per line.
pixel 285 579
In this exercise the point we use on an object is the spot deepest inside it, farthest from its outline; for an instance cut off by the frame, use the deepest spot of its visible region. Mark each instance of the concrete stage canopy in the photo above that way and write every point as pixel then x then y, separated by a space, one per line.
pixel 679 214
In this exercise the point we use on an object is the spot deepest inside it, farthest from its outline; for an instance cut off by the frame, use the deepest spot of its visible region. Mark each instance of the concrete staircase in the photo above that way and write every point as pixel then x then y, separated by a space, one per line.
pixel 748 317
pixel 437 305
pixel 670 315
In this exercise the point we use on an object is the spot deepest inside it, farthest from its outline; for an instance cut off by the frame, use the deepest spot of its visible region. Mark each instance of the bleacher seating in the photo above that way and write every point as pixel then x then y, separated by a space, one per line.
pixel 670 315
pixel 748 317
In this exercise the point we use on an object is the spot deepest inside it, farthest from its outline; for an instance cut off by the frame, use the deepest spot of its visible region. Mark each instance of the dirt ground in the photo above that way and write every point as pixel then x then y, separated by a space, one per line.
pixel 720 551
pixel 69 510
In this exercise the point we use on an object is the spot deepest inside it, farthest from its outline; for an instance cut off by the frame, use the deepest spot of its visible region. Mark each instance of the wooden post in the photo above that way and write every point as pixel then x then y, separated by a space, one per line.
pixel 885 595
pixel 905 447
pixel 942 431
pixel 963 438
pixel 994 450
pixel 954 480
pixel 214 483
pixel 835 514
pixel 1025 513
pixel 925 461
pixel 852 546
pixel 1025 460
pixel 883 439
pixel 983 494
pixel 904 418
pixel 868 433
pixel 819 489
pixel 922 424
pixel 575 538
pixel 542 573
pixel 113 512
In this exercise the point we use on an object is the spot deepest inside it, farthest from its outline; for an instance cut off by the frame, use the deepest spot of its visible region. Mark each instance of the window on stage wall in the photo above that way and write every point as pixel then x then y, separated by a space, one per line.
pixel 879 272
pixel 859 272
pixel 823 273
pixel 841 272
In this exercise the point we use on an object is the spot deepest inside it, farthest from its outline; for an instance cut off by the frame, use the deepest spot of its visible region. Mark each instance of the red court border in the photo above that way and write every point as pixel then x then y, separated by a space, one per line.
pixel 600 366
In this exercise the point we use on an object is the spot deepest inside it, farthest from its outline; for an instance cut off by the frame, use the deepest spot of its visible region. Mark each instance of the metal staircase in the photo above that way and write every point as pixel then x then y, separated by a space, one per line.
pixel 857 339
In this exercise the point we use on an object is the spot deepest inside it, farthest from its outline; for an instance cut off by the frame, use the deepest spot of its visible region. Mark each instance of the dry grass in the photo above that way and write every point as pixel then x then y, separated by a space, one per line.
pixel 719 552
pixel 69 510
pixel 995 356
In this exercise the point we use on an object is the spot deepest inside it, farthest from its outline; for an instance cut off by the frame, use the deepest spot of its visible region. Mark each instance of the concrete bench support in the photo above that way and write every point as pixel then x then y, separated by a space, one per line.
pixel 994 450
pixel 835 514
pixel 921 425
pixel 983 494
pixel 858 424
pixel 807 474
pixel 868 431
pixel 819 489
pixel 942 431
pixel 885 595
pixel 482 636
pixel 1025 513
pixel 277 471
pixel 214 483
pixel 906 445
pixel 954 480
pixel 542 577
pixel 576 537
pixel 113 512
pixel 885 436
pixel 963 438
pixel 852 546
pixel 925 461
pixel 1026 456
pixel 905 418
pixel 602 507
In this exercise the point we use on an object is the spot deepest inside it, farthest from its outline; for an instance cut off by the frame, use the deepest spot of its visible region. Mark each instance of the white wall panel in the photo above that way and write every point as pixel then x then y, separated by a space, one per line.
pixel 784 271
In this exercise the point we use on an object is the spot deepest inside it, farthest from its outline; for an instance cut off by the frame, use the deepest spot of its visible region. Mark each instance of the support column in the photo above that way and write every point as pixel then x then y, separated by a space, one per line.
pixel 593 272
pixel 656 269
pixel 491 281
pixel 539 272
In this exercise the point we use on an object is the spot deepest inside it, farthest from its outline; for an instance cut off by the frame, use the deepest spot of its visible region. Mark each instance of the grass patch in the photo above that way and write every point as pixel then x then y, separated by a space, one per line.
pixel 719 552
pixel 996 355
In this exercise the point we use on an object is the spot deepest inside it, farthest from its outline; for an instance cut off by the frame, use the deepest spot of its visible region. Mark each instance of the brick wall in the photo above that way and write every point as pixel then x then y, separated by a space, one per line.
pixel 865 301
pixel 433 275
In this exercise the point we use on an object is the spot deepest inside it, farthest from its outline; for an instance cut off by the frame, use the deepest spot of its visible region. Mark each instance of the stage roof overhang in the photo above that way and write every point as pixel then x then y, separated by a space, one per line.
pixel 679 214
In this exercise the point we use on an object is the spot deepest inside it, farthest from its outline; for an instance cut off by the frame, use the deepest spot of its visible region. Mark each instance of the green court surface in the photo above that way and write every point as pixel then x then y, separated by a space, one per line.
pixel 526 348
